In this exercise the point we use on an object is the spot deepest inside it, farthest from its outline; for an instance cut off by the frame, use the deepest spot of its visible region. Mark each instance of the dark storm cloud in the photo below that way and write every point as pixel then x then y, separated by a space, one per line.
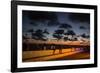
pixel 41 16
pixel 80 17
pixel 53 23
pixel 36 24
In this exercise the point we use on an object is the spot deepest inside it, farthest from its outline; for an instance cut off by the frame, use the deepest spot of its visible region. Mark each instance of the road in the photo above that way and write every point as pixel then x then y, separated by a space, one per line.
pixel 68 55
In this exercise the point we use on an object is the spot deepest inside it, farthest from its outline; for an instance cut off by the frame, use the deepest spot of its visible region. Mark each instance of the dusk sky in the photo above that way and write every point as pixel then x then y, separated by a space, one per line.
pixel 51 21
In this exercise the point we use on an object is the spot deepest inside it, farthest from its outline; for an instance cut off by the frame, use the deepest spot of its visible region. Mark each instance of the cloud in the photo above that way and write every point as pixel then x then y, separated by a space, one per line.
pixel 53 23
pixel 41 16
pixel 80 17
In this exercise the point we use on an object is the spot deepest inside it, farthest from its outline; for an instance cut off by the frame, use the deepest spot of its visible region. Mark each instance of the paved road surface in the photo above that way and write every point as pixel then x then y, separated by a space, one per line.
pixel 64 56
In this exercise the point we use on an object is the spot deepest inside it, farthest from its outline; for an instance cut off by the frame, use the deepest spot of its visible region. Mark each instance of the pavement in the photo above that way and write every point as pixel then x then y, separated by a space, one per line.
pixel 70 55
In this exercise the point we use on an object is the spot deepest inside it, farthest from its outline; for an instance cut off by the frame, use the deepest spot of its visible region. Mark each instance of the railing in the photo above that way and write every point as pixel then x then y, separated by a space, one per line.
pixel 32 47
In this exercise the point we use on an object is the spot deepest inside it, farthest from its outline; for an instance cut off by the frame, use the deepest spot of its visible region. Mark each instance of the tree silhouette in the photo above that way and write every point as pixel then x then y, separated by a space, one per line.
pixel 85 36
pixel 25 37
pixel 70 32
pixel 58 34
pixel 31 30
pixel 82 27
pixel 66 38
pixel 46 31
pixel 39 35
pixel 65 26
